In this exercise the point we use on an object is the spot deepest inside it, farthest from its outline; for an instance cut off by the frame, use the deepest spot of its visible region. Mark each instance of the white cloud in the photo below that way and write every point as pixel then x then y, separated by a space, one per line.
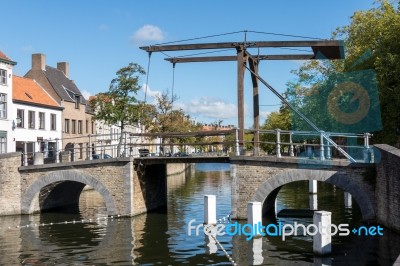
pixel 264 115
pixel 148 33
pixel 149 92
pixel 211 108
pixel 86 94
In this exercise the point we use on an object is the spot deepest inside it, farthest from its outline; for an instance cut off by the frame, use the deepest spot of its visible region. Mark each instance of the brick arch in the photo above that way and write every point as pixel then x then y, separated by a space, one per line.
pixel 268 190
pixel 66 175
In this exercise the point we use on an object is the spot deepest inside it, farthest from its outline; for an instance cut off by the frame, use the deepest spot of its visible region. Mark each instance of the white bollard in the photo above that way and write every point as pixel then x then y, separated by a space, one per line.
pixel 313 198
pixel 312 186
pixel 210 209
pixel 254 215
pixel 347 200
pixel 211 245
pixel 322 243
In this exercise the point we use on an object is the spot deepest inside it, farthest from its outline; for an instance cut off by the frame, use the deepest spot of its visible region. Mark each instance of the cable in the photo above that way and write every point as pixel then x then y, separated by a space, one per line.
pixel 147 78
pixel 198 38
pixel 286 35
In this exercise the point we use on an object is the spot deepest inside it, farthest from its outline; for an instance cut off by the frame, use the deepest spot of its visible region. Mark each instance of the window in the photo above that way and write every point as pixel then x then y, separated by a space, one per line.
pixel 31 119
pixel 73 126
pixel 20 118
pixel 53 122
pixel 3 105
pixel 87 126
pixel 92 127
pixel 3 142
pixel 66 126
pixel 80 150
pixel 77 101
pixel 3 76
pixel 79 126
pixel 41 120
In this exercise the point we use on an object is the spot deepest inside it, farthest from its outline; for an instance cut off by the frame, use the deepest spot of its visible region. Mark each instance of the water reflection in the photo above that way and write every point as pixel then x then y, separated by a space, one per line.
pixel 161 237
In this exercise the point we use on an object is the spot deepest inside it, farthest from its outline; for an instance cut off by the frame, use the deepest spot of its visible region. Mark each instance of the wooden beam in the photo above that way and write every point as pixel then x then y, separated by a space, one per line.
pixel 253 63
pixel 241 63
pixel 234 58
pixel 331 47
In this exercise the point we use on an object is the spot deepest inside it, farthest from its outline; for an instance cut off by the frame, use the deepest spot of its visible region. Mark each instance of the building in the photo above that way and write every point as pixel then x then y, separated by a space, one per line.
pixel 77 122
pixel 37 127
pixel 7 115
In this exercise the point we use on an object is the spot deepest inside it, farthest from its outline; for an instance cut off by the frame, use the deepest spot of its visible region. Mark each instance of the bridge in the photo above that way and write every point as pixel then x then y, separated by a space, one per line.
pixel 132 185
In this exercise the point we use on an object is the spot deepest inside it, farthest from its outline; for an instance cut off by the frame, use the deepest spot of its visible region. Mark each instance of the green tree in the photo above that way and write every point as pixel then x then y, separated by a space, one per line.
pixel 372 50
pixel 275 120
pixel 119 105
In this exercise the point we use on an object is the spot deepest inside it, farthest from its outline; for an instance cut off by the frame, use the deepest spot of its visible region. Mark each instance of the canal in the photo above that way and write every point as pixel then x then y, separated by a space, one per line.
pixel 161 237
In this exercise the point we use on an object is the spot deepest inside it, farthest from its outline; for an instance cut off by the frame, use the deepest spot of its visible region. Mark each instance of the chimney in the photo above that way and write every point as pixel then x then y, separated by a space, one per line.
pixel 64 67
pixel 38 62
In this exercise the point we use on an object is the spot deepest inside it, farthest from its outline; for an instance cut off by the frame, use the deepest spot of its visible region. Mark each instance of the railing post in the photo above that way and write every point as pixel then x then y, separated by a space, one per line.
pixel 237 151
pixel 321 147
pixel 90 147
pixel 366 148
pixel 291 148
pixel 328 150
pixel 278 143
pixel 56 152
pixel 256 143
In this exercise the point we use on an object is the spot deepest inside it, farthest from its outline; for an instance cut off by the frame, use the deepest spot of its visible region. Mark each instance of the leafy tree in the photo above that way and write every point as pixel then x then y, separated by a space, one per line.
pixel 275 120
pixel 372 61
pixel 162 118
pixel 119 105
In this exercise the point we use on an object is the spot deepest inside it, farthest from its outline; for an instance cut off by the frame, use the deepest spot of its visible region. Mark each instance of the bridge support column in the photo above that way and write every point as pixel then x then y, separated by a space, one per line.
pixel 312 186
pixel 322 243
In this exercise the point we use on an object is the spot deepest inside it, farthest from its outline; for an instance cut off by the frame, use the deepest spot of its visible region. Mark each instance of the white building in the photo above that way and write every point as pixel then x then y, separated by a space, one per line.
pixel 38 119
pixel 7 114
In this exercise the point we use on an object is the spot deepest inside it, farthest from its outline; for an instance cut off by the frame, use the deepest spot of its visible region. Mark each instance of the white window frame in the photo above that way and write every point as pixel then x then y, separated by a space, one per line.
pixel 3 104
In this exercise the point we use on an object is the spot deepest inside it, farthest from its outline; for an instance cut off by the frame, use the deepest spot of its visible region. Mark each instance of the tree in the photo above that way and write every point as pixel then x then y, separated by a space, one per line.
pixel 162 118
pixel 366 80
pixel 275 120
pixel 119 105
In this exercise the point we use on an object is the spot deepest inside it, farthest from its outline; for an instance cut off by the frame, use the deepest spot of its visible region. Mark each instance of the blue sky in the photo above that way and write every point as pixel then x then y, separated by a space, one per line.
pixel 99 37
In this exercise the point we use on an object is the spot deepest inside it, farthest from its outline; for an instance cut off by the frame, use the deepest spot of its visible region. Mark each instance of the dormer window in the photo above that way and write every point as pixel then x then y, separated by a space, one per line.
pixel 77 101
pixel 3 76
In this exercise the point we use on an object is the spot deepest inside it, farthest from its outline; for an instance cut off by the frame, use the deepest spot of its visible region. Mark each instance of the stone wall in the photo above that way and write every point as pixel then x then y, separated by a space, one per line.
pixel 10 184
pixel 256 179
pixel 388 187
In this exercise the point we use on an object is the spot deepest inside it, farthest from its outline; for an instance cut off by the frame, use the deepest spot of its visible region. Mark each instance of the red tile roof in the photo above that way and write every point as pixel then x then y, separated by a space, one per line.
pixel 5 58
pixel 27 90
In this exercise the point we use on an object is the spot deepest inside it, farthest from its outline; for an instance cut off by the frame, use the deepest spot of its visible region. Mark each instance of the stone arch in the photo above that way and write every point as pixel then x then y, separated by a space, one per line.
pixel 270 188
pixel 66 175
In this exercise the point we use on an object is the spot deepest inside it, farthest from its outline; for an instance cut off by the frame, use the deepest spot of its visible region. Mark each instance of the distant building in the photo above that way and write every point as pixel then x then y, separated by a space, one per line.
pixel 77 122
pixel 37 127
pixel 7 115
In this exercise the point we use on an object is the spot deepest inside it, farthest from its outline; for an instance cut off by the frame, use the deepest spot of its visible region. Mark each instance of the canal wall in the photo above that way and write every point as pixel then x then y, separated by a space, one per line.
pixel 388 187
pixel 10 184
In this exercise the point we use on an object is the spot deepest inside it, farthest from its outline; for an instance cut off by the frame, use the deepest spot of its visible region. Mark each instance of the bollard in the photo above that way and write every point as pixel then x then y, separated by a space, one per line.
pixel 254 215
pixel 210 209
pixel 322 243
pixel 347 200
pixel 312 186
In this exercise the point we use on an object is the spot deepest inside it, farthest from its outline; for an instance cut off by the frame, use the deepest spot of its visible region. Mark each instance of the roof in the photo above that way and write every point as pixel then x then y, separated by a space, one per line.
pixel 64 87
pixel 29 91
pixel 5 59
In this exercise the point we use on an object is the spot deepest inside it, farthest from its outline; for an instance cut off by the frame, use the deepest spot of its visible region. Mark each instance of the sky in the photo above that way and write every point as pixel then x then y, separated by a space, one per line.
pixel 99 37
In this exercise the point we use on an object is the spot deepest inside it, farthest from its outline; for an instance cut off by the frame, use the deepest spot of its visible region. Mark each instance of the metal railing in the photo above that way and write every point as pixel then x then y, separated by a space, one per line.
pixel 277 143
